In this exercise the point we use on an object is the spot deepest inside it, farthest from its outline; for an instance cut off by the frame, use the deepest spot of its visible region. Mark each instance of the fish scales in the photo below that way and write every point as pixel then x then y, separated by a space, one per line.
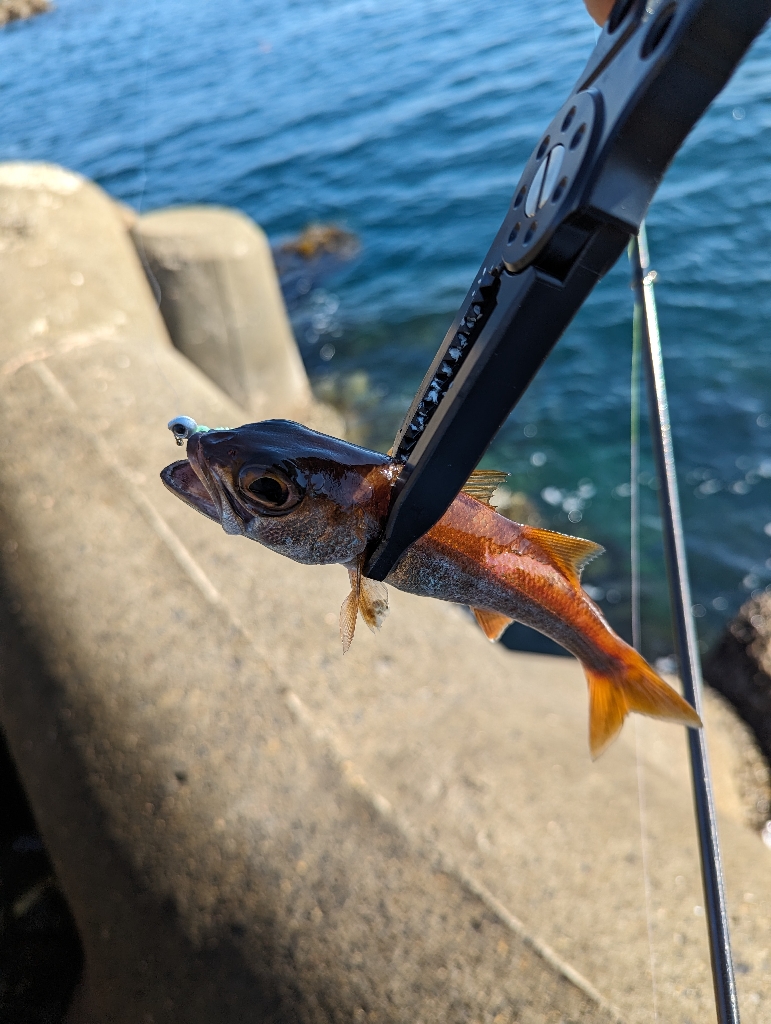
pixel 476 557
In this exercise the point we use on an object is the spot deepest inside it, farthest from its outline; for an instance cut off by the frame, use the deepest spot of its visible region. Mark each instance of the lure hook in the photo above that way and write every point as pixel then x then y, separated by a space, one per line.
pixel 183 427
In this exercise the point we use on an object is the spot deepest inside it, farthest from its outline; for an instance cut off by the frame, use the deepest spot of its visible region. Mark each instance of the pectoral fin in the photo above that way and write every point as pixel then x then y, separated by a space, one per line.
pixel 493 623
pixel 569 554
pixel 368 597
pixel 350 607
pixel 373 602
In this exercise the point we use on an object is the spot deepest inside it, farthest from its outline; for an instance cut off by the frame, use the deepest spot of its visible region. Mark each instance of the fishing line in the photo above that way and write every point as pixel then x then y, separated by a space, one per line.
pixel 684 628
pixel 144 93
pixel 634 466
pixel 634 474
pixel 152 280
pixel 634 552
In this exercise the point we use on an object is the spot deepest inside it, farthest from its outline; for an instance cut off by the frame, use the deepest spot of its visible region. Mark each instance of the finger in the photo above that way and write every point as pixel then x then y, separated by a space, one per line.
pixel 599 9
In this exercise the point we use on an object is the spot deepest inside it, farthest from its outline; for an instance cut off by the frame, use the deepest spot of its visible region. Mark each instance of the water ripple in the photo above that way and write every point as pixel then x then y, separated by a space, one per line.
pixel 409 123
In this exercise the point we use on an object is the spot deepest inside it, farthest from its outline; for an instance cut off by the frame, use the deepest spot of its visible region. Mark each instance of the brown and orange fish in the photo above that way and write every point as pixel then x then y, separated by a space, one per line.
pixel 320 500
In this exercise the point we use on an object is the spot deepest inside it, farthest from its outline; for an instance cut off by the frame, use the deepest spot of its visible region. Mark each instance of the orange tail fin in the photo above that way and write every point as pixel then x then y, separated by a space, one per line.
pixel 633 687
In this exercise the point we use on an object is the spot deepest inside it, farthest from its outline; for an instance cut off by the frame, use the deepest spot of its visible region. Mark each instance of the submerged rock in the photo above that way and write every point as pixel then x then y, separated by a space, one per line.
pixel 317 239
pixel 517 506
pixel 308 259
pixel 18 10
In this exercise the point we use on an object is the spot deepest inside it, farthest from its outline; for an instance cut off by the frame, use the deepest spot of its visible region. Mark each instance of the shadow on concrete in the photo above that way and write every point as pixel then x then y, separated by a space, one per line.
pixel 519 637
pixel 40 953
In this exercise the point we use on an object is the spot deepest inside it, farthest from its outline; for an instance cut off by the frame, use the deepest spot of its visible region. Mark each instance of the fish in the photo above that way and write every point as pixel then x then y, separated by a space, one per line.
pixel 320 500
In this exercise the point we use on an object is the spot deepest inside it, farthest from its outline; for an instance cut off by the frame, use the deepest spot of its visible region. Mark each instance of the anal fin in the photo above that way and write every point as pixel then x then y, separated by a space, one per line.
pixel 493 624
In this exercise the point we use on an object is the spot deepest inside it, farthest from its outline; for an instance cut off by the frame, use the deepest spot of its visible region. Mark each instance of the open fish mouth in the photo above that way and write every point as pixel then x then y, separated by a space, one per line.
pixel 182 480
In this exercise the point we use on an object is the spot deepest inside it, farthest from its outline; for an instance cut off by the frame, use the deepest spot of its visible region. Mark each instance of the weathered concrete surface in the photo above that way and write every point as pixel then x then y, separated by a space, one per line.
pixel 250 826
pixel 220 297
pixel 221 861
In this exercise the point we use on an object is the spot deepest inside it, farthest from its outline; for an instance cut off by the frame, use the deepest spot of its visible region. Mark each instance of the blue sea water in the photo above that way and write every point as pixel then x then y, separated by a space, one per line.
pixel 409 124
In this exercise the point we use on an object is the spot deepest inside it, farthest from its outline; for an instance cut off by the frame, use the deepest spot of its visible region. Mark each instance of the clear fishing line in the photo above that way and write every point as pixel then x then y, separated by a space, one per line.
pixel 634 552
pixel 152 280
pixel 634 474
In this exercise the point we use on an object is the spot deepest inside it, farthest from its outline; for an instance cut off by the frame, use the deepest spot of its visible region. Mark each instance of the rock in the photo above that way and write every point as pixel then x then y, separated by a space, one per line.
pixel 517 506
pixel 321 239
pixel 739 667
pixel 19 10
pixel 303 263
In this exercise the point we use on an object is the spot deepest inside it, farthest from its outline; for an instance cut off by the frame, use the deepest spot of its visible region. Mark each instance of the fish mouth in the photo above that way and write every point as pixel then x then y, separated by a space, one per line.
pixel 182 480
pixel 228 516
pixel 198 485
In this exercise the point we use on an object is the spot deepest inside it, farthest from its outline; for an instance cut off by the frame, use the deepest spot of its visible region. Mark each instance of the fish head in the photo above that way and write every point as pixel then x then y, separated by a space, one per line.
pixel 314 498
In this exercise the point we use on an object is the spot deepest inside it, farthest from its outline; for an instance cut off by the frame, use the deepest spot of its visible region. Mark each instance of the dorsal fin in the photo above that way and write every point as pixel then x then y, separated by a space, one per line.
pixel 493 623
pixel 569 554
pixel 483 483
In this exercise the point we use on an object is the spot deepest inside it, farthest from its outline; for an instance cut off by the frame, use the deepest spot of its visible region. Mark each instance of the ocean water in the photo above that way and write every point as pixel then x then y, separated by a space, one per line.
pixel 409 123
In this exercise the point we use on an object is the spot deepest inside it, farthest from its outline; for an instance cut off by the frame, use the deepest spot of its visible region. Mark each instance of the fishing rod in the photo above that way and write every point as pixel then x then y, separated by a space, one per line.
pixel 686 647
pixel 582 196
pixel 580 200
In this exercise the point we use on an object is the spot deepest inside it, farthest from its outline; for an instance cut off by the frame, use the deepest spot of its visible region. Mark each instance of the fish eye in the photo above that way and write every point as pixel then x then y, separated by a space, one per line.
pixel 270 489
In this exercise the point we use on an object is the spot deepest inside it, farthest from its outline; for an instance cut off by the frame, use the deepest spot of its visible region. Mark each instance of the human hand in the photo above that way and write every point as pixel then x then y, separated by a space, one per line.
pixel 599 9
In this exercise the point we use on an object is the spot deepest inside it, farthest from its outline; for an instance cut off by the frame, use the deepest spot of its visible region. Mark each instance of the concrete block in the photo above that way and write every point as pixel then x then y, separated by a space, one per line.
pixel 223 861
pixel 249 826
pixel 216 283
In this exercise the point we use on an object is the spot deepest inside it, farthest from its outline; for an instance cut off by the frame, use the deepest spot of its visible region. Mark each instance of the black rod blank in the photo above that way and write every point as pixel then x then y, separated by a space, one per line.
pixel 685 634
